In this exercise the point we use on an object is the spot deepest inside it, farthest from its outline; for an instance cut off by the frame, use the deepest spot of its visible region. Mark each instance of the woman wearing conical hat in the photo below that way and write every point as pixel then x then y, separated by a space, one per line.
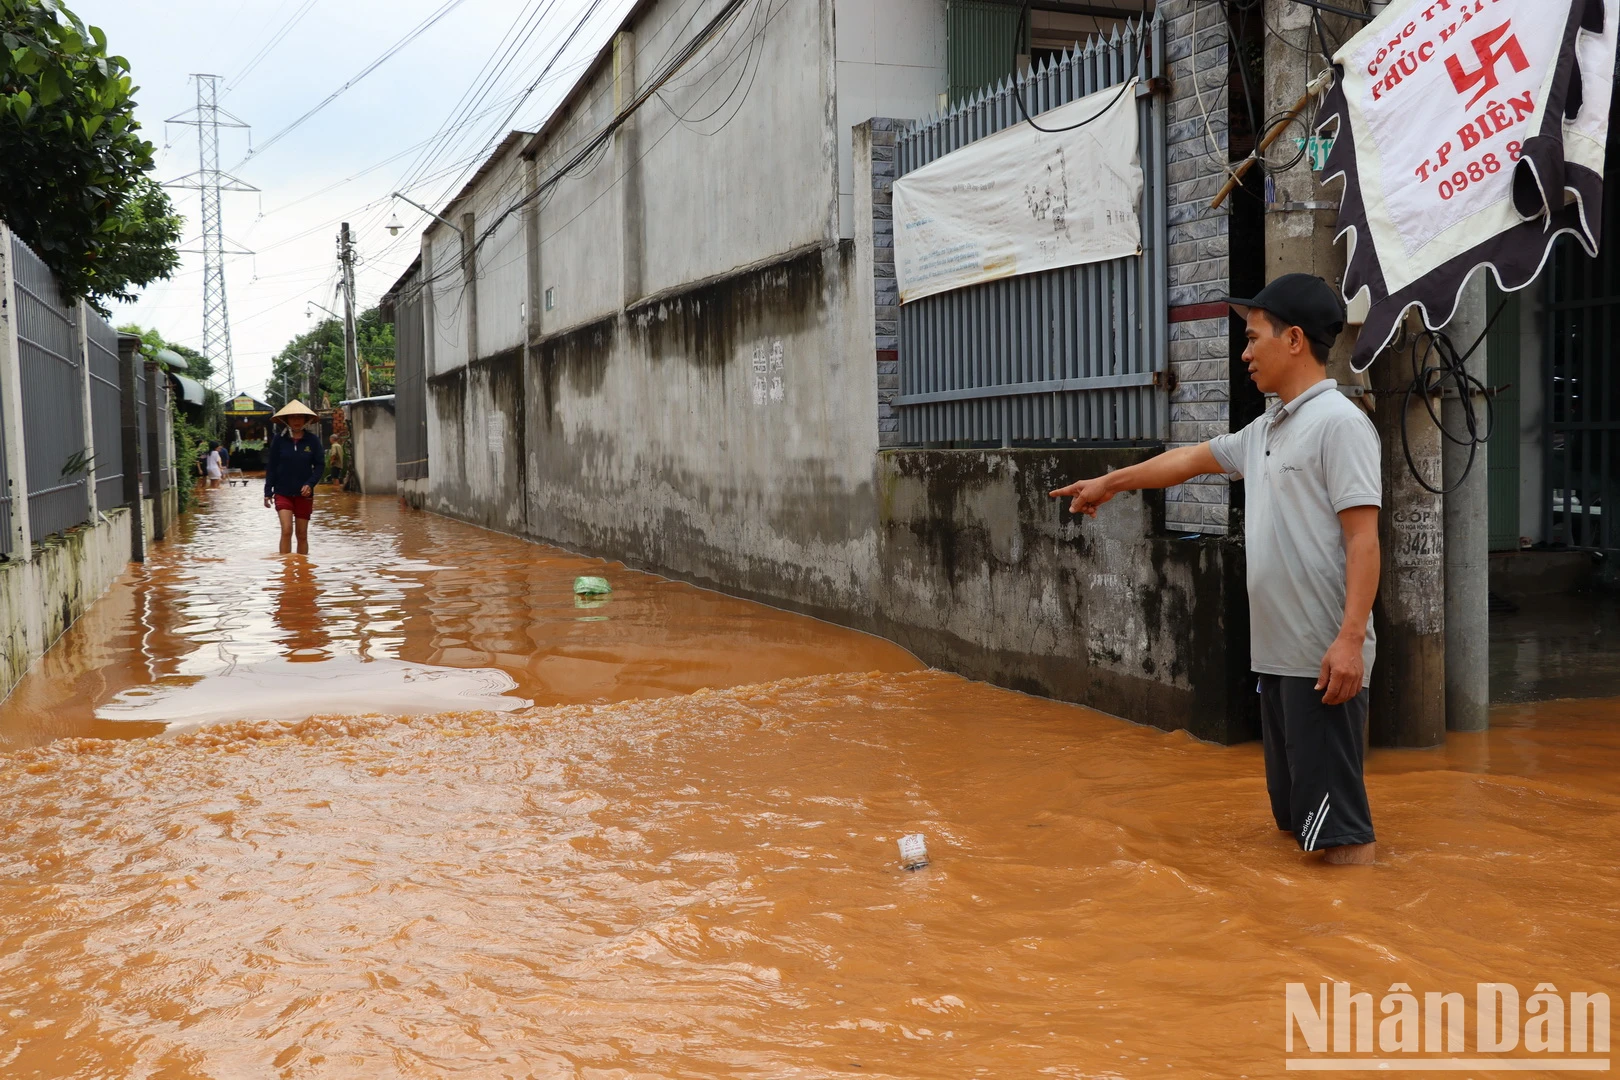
pixel 293 466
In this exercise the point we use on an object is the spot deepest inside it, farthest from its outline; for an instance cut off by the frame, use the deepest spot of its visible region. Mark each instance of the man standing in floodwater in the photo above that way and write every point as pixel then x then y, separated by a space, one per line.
pixel 1313 490
pixel 293 465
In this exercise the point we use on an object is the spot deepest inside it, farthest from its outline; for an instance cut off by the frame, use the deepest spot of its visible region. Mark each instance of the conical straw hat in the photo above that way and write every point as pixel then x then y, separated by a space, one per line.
pixel 294 408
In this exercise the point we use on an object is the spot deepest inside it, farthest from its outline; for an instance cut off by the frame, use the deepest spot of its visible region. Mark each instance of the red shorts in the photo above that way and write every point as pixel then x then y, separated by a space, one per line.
pixel 300 505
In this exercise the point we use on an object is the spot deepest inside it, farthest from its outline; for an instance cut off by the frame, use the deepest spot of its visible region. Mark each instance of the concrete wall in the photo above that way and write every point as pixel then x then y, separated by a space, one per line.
pixel 371 444
pixel 983 573
pixel 580 220
pixel 476 443
pixel 444 301
pixel 413 493
pixel 724 436
pixel 754 179
pixel 891 63
pixel 41 598
pixel 703 400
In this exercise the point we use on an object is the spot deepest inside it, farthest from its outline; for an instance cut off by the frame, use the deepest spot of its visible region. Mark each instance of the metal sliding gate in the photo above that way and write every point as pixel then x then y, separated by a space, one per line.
pixel 1582 385
pixel 1076 354
pixel 410 386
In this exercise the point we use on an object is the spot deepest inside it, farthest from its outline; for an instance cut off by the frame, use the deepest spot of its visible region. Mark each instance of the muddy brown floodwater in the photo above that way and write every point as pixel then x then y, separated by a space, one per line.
pixel 680 861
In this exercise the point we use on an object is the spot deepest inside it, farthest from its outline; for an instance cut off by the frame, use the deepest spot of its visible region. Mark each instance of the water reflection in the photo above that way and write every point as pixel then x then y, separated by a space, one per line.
pixel 217 626
pixel 296 612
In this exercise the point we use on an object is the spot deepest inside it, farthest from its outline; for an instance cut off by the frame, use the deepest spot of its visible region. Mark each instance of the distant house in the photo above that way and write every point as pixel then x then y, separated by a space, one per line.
pixel 247 419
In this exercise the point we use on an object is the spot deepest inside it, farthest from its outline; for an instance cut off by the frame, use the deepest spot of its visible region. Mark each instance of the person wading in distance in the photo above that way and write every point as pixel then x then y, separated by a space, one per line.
pixel 292 467
pixel 1313 489
pixel 214 464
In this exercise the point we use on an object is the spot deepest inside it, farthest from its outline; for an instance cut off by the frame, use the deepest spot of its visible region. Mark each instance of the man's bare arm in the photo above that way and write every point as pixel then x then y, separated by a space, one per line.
pixel 1343 668
pixel 1167 470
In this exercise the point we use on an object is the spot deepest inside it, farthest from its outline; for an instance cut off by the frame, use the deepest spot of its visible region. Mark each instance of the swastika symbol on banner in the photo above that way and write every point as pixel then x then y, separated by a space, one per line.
pixel 1490 55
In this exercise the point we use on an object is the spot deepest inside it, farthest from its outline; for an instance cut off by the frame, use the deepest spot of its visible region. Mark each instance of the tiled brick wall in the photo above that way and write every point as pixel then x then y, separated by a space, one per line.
pixel 1200 352
pixel 887 297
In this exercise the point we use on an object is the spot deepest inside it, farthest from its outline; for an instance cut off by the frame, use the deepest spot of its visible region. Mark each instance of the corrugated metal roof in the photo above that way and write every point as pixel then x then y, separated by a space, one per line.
pixel 191 391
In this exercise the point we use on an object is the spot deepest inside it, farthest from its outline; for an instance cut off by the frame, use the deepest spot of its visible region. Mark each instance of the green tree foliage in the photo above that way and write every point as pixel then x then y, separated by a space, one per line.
pixel 376 339
pixel 324 345
pixel 198 366
pixel 194 429
pixel 73 177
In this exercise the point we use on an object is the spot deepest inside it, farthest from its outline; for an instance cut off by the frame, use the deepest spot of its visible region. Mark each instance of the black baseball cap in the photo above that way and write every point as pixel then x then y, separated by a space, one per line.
pixel 1302 300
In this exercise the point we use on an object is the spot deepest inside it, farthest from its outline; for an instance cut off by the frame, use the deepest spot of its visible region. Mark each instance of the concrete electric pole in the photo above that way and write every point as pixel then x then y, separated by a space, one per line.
pixel 1468 528
pixel 1408 706
pixel 354 376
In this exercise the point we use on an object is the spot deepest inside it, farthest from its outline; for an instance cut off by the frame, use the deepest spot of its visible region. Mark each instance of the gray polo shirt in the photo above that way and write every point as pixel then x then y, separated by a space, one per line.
pixel 1302 463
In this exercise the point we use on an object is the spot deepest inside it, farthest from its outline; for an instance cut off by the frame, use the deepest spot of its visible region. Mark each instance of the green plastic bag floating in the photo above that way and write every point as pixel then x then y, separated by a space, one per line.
pixel 591 586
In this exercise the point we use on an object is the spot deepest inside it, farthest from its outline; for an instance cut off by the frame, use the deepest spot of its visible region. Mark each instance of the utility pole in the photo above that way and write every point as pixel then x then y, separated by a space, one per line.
pixel 210 182
pixel 1408 701
pixel 1468 529
pixel 355 383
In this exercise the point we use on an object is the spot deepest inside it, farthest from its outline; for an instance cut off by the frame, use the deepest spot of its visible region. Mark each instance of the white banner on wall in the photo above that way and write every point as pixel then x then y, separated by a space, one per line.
pixel 1022 201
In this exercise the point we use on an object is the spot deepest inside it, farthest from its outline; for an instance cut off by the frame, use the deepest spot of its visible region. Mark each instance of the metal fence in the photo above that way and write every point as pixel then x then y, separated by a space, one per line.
pixel 65 387
pixel 165 447
pixel 5 487
pixel 1076 354
pixel 56 446
pixel 410 386
pixel 144 435
pixel 106 421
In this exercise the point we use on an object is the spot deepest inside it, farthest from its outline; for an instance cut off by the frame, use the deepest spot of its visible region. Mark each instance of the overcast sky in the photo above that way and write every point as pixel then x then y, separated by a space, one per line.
pixel 310 179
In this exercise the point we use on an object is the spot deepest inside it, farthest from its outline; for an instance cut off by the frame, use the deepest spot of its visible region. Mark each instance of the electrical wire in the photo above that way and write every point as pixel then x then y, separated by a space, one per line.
pixel 500 60
pixel 270 45
pixel 1436 364
pixel 598 142
pixel 561 50
pixel 691 11
pixel 601 137
pixel 411 35
pixel 1017 79
pixel 749 60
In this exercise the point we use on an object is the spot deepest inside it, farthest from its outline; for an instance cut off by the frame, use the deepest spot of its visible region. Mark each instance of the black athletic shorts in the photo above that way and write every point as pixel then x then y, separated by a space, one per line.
pixel 1314 755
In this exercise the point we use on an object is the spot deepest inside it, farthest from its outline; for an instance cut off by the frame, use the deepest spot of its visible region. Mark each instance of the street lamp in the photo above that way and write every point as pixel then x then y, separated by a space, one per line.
pixel 443 221
pixel 394 226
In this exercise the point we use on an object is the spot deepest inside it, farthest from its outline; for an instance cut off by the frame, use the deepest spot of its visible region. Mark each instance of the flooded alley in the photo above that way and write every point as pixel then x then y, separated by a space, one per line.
pixel 411 809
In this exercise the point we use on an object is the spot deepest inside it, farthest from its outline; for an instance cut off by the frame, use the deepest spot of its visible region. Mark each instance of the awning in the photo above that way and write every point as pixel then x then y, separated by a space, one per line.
pixel 191 391
pixel 171 360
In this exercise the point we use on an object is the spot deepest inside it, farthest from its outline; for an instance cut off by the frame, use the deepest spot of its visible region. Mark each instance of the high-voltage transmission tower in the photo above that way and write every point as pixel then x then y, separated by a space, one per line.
pixel 210 182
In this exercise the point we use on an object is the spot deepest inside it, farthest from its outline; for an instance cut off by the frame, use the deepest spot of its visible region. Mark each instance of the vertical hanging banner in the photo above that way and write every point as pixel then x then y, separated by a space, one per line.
pixel 1021 200
pixel 1469 134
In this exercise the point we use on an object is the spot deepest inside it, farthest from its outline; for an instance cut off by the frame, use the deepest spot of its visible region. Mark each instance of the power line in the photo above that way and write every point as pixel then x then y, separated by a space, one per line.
pixel 691 9
pixel 416 32
pixel 505 52
pixel 579 26
pixel 269 46
pixel 603 135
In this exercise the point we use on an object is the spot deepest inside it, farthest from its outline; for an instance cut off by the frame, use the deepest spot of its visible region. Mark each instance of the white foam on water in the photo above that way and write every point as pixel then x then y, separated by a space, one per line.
pixel 281 689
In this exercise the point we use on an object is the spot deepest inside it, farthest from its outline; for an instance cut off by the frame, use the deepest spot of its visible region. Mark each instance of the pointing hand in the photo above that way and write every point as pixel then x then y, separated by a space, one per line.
pixel 1086 495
